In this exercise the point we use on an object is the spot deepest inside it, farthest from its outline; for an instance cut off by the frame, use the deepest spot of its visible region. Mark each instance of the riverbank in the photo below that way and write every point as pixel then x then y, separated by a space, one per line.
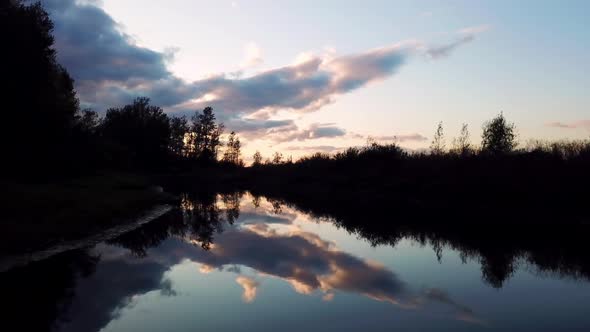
pixel 38 215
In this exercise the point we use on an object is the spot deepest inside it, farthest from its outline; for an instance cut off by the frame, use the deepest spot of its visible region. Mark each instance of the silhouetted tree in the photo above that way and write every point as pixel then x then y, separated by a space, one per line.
pixel 499 136
pixel 87 121
pixel 277 158
pixel 178 130
pixel 257 159
pixel 141 130
pixel 39 100
pixel 232 152
pixel 462 144
pixel 437 147
pixel 205 135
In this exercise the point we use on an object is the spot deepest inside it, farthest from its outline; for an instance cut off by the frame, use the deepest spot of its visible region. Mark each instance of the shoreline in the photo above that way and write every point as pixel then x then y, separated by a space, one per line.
pixel 16 260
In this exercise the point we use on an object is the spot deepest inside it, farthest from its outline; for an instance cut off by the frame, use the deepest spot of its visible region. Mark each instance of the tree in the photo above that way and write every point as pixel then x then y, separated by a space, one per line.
pixel 178 129
pixel 39 102
pixel 462 144
pixel 437 147
pixel 277 158
pixel 88 121
pixel 140 129
pixel 205 135
pixel 257 159
pixel 232 152
pixel 499 136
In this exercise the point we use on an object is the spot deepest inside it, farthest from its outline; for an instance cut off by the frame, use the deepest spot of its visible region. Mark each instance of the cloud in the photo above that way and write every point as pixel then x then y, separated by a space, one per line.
pixel 252 56
pixel 466 35
pixel 572 125
pixel 314 131
pixel 401 138
pixel 250 288
pixel 111 69
pixel 93 48
pixel 250 128
pixel 475 30
pixel 315 148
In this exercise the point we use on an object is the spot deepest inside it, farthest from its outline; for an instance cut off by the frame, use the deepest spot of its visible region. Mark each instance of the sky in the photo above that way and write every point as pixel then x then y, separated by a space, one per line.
pixel 306 76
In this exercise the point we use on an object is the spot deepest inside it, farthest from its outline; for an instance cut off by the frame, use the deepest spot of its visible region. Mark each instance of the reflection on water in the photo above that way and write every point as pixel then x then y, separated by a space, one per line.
pixel 242 262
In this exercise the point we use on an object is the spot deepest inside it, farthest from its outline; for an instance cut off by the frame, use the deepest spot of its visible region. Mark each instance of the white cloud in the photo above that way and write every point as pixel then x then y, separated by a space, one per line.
pixel 252 56
pixel 250 287
pixel 571 125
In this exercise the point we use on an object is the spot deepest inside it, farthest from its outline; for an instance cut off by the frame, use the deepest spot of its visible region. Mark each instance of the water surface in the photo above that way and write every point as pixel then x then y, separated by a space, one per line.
pixel 236 262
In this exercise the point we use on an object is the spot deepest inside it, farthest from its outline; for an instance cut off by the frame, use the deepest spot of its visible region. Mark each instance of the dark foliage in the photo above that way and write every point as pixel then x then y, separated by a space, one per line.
pixel 39 103
pixel 140 130
pixel 51 283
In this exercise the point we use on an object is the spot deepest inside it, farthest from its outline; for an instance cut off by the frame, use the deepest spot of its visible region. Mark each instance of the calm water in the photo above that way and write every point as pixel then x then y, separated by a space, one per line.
pixel 237 263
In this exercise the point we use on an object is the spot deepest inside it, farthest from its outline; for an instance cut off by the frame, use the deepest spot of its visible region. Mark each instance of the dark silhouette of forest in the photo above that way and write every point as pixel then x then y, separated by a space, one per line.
pixel 540 179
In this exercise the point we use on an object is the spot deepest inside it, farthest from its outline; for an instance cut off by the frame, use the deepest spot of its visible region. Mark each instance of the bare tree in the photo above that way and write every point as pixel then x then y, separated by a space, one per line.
pixel 232 151
pixel 257 159
pixel 437 147
pixel 462 144
pixel 277 158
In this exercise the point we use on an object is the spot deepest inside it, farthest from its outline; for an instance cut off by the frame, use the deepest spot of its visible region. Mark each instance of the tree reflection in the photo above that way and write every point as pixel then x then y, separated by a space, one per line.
pixel 202 217
pixel 500 246
pixel 152 234
pixel 44 289
pixel 231 203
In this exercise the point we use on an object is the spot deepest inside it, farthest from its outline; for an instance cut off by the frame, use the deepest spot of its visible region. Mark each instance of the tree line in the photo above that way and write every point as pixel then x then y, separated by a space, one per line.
pixel 498 140
pixel 146 135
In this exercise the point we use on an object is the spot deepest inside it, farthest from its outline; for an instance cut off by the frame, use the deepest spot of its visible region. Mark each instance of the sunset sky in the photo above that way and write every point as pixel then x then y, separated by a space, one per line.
pixel 304 76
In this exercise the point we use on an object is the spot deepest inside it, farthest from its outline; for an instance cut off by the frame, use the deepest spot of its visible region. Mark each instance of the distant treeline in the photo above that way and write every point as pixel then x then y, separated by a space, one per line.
pixel 542 182
pixel 499 140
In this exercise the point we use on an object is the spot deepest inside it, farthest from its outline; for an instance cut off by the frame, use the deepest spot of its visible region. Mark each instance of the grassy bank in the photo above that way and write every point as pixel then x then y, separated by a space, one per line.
pixel 38 214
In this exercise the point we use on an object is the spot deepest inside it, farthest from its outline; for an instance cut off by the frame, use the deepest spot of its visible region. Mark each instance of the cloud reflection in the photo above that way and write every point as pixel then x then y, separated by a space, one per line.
pixel 250 288
pixel 311 264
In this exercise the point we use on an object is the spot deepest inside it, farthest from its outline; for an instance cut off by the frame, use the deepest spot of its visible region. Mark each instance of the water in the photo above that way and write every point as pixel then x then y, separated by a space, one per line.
pixel 239 263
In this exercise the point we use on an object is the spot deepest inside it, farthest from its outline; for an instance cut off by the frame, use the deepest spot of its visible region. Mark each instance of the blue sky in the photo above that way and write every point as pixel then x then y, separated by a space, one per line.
pixel 303 76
